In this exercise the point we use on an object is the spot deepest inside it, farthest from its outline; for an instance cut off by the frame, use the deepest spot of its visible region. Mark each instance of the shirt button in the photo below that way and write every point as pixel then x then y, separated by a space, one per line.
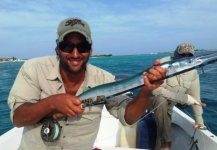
pixel 61 147
pixel 64 136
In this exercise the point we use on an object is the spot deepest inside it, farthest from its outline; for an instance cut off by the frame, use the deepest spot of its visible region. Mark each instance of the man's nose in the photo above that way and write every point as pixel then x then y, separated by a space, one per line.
pixel 75 52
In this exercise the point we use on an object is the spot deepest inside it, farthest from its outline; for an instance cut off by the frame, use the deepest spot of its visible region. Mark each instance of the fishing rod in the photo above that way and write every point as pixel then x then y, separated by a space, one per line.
pixel 99 94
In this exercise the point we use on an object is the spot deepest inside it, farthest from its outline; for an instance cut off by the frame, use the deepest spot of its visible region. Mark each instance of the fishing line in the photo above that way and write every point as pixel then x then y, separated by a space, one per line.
pixel 210 109
pixel 192 138
pixel 208 70
pixel 205 123
pixel 163 101
pixel 207 107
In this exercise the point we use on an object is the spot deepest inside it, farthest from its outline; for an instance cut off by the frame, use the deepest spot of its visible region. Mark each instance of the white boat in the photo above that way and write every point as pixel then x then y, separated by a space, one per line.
pixel 124 138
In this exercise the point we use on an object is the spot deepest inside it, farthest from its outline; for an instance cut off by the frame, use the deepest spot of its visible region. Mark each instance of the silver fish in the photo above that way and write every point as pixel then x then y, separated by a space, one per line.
pixel 101 93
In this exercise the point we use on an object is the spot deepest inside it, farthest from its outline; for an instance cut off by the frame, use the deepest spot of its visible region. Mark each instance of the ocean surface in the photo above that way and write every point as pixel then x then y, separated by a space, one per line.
pixel 124 66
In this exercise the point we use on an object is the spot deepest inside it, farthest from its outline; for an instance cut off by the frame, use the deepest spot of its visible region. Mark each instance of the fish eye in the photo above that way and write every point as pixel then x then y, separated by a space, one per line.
pixel 190 60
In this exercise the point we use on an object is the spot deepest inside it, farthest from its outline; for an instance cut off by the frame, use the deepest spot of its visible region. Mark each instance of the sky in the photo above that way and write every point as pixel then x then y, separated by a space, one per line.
pixel 119 27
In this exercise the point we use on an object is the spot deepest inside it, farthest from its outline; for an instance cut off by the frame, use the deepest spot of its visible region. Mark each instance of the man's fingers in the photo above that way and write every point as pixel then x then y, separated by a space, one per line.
pixel 161 71
pixel 58 115
pixel 156 62
pixel 156 73
pixel 147 83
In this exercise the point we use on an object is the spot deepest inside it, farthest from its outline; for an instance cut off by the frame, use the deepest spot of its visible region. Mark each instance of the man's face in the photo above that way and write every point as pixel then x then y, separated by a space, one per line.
pixel 73 61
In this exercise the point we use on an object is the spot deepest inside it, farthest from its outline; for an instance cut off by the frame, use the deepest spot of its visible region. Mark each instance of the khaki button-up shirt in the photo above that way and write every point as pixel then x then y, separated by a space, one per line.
pixel 39 78
pixel 176 89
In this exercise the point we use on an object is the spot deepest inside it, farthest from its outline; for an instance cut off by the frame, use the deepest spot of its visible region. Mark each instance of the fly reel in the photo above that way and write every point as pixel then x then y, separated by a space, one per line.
pixel 50 130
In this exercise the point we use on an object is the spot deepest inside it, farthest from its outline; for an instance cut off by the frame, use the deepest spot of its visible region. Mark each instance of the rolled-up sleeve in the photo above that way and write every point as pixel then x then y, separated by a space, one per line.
pixel 177 96
pixel 117 106
pixel 24 89
pixel 194 90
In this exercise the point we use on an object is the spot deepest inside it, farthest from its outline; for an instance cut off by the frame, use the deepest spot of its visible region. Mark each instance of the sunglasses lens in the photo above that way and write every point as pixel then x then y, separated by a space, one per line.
pixel 83 47
pixel 68 47
pixel 187 55
pixel 64 47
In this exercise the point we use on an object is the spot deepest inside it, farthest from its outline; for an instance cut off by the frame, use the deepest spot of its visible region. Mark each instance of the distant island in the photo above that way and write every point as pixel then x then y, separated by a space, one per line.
pixel 12 59
pixel 104 55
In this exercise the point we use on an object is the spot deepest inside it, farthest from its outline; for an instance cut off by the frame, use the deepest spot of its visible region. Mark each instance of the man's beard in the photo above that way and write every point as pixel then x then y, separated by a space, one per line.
pixel 70 70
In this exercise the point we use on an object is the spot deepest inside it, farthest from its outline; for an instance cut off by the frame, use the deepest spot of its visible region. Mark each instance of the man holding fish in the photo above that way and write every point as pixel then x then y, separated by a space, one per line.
pixel 50 85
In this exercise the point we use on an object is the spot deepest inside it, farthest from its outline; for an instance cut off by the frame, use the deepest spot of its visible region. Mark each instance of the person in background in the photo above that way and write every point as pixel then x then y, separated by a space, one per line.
pixel 183 89
pixel 48 85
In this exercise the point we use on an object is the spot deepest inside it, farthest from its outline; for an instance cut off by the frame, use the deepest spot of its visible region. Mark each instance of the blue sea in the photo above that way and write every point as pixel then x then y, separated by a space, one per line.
pixel 124 66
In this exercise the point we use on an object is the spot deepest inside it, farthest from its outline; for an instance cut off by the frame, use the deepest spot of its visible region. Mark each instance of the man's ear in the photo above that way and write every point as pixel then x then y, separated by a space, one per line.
pixel 57 51
pixel 91 51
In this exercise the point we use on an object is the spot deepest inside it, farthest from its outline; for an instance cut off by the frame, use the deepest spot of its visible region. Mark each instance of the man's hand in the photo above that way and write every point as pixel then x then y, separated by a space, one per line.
pixel 199 126
pixel 66 104
pixel 153 74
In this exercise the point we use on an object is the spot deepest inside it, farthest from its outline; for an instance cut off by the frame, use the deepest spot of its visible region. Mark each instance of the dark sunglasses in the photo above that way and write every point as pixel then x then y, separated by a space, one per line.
pixel 187 55
pixel 68 47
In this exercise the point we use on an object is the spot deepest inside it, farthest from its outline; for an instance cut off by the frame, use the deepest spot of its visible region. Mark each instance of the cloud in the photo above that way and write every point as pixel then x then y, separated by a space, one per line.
pixel 120 25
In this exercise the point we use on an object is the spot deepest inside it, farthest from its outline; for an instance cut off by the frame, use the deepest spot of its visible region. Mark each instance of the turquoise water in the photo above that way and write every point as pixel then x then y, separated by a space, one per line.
pixel 121 66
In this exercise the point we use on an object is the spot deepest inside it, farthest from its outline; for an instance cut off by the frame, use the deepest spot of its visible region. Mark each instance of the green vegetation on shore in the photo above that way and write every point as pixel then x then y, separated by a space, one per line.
pixel 12 59
pixel 104 55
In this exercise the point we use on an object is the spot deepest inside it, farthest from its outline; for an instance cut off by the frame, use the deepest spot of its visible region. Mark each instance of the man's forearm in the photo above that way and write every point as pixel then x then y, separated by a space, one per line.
pixel 30 113
pixel 137 107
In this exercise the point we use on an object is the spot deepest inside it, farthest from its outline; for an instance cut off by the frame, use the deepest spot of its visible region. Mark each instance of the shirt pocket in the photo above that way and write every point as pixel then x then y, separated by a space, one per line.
pixel 90 115
pixel 172 82
pixel 92 112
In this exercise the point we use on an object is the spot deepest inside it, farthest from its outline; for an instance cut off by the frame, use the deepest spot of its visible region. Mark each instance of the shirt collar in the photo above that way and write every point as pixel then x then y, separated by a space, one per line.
pixel 55 73
pixel 88 82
